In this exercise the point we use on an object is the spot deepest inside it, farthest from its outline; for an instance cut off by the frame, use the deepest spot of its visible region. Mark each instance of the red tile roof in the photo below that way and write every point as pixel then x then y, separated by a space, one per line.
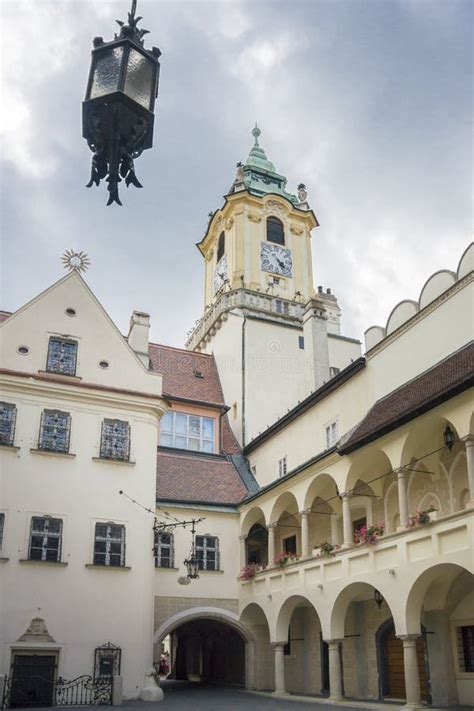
pixel 179 368
pixel 445 380
pixel 197 478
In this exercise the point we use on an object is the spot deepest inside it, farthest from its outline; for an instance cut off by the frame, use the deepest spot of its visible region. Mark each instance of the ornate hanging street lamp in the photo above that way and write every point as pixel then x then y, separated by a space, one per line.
pixel 192 563
pixel 117 114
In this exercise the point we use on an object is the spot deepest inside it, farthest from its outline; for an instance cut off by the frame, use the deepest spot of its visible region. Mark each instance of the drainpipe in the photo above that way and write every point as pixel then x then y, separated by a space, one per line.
pixel 243 380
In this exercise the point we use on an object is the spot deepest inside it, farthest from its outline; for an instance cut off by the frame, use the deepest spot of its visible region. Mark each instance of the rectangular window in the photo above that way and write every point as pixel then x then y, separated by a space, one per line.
pixel 7 423
pixel 282 307
pixel 465 646
pixel 334 371
pixel 2 526
pixel 62 356
pixel 115 440
pixel 45 538
pixel 289 544
pixel 282 467
pixel 301 342
pixel 187 432
pixel 164 553
pixel 331 434
pixel 55 430
pixel 207 551
pixel 109 544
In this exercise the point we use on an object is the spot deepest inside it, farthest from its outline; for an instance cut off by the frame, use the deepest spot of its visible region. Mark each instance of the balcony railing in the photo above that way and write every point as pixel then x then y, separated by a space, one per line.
pixel 440 540
pixel 238 299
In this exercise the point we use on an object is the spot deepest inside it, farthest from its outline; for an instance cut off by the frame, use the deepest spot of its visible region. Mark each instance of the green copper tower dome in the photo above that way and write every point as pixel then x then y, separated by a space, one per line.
pixel 258 175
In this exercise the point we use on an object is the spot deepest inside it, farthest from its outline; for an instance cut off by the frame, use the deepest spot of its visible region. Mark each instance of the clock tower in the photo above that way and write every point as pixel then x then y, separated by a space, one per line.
pixel 268 329
pixel 261 237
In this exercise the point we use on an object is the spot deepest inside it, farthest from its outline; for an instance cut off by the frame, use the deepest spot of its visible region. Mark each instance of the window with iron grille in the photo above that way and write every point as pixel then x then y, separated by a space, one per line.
pixel 282 466
pixel 207 552
pixel 465 646
pixel 115 440
pixel 164 550
pixel 109 544
pixel 7 423
pixel 55 431
pixel 2 526
pixel 45 538
pixel 62 356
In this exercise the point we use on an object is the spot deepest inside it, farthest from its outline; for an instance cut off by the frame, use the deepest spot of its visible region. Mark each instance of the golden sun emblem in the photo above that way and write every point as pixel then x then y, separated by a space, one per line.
pixel 75 261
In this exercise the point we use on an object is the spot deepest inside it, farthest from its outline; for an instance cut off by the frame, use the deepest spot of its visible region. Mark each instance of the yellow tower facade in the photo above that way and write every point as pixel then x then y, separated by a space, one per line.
pixel 274 338
pixel 261 238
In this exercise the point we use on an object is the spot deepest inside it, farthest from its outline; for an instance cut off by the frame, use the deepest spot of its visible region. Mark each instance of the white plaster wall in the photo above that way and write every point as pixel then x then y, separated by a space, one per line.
pixel 210 584
pixel 442 332
pixel 98 338
pixel 226 345
pixel 83 607
pixel 274 374
pixel 342 352
pixel 306 436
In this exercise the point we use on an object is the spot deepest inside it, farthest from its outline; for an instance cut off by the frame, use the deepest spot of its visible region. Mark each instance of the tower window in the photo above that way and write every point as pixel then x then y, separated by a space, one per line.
pixel 301 342
pixel 275 231
pixel 221 246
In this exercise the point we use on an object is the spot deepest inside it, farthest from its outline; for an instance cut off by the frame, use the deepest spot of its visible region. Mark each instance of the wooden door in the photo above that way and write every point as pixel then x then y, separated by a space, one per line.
pixel 394 686
pixel 32 680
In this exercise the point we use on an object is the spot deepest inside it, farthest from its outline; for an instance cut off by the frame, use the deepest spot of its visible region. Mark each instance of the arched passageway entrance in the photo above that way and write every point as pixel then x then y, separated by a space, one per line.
pixel 391 667
pixel 208 645
pixel 208 651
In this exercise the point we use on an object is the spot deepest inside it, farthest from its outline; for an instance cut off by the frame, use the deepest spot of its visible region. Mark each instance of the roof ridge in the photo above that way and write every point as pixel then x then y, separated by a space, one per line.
pixel 423 373
pixel 182 350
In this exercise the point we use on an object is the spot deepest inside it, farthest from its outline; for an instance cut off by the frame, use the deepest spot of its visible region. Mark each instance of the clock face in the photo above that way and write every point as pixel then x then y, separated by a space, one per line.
pixel 220 273
pixel 275 259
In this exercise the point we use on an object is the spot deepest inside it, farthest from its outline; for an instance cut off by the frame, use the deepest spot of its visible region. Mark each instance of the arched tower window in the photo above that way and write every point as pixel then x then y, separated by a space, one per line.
pixel 275 231
pixel 221 246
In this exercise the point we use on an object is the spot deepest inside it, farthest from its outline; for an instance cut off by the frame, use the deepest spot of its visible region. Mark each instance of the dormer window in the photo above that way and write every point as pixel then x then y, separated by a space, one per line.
pixel 187 432
pixel 275 230
pixel 221 246
pixel 62 356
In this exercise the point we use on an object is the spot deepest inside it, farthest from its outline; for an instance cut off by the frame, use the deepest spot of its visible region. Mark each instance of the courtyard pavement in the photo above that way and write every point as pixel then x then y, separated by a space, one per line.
pixel 185 696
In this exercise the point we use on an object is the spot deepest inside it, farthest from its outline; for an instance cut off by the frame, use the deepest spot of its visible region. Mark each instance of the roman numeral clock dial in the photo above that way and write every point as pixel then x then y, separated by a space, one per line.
pixel 276 259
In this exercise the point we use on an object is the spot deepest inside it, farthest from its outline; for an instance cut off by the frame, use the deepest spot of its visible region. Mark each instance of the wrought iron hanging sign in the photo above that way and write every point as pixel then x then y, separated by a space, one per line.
pixel 118 111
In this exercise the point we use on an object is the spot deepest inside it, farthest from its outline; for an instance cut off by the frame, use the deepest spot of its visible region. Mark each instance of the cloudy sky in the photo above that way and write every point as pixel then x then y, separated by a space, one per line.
pixel 366 101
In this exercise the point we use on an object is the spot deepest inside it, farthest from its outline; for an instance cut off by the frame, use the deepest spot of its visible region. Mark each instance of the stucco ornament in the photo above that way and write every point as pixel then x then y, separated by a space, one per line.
pixel 302 192
pixel 150 690
pixel 275 207
pixel 36 632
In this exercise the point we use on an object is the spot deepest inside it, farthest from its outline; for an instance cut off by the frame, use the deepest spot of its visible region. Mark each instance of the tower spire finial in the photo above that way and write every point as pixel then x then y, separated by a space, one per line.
pixel 256 133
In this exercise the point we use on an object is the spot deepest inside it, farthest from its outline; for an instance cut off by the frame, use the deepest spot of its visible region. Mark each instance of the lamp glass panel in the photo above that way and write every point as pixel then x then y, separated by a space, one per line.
pixel 106 72
pixel 139 80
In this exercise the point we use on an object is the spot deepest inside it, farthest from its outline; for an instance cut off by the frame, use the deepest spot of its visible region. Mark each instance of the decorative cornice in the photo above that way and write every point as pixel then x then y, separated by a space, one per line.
pixel 414 320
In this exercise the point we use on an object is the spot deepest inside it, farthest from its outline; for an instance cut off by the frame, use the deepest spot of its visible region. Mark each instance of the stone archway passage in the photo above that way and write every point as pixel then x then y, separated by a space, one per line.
pixel 392 675
pixel 208 651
